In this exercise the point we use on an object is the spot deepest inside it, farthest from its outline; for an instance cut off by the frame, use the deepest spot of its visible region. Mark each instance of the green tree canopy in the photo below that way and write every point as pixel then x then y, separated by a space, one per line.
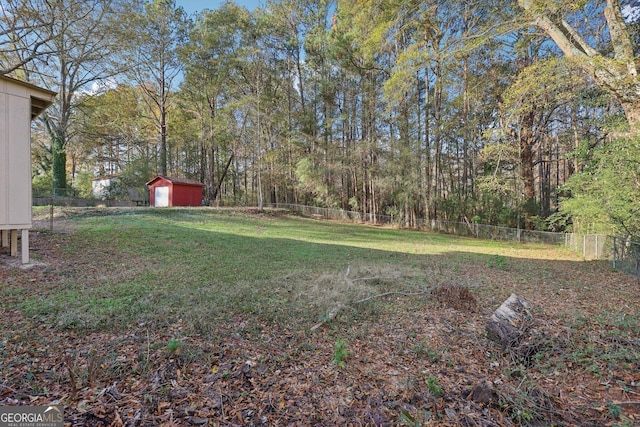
pixel 605 196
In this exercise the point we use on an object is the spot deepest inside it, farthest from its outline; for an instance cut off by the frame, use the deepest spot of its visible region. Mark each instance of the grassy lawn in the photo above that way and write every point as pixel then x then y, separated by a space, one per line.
pixel 205 265
pixel 186 300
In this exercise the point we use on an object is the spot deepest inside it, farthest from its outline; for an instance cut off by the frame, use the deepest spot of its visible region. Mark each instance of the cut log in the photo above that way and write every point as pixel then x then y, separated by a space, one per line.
pixel 507 324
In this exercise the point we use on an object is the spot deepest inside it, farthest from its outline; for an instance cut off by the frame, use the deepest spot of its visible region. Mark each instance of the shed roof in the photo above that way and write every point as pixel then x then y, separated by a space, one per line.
pixel 40 98
pixel 180 181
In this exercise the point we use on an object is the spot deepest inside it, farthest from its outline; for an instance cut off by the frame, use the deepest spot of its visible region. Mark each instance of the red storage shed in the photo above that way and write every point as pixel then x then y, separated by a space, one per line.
pixel 168 192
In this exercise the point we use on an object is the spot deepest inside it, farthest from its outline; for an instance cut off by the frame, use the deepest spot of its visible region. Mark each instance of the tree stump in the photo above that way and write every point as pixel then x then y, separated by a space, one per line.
pixel 483 392
pixel 508 323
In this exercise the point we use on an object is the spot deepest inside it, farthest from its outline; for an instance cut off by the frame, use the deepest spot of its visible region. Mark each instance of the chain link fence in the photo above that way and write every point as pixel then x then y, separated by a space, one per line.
pixel 624 254
pixel 590 246
pixel 480 231
pixel 79 203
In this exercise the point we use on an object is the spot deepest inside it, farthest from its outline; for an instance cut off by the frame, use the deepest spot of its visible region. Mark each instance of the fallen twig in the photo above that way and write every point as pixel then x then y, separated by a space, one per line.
pixel 386 294
pixel 362 279
pixel 8 388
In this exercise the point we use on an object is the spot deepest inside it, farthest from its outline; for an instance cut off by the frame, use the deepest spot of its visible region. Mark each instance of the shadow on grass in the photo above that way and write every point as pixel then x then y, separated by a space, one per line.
pixel 157 267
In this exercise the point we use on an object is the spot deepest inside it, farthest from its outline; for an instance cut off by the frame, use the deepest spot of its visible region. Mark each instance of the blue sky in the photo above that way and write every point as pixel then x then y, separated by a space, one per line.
pixel 632 11
pixel 193 6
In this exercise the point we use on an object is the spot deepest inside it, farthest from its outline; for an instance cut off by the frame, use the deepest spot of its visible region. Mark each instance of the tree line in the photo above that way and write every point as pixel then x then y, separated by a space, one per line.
pixel 518 113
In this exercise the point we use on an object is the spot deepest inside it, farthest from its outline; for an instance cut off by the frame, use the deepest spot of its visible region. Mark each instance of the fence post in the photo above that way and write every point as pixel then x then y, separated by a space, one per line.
pixel 615 252
pixel 584 245
pixel 53 199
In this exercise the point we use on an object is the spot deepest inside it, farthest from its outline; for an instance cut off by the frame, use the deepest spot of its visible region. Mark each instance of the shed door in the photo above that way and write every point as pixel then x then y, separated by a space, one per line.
pixel 161 197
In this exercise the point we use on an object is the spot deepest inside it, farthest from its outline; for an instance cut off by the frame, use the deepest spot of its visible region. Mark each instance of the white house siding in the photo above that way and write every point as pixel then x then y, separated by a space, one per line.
pixel 15 160
pixel 20 102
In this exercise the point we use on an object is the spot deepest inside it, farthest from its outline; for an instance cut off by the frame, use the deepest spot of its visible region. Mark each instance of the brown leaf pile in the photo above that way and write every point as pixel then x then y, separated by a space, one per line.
pixel 426 363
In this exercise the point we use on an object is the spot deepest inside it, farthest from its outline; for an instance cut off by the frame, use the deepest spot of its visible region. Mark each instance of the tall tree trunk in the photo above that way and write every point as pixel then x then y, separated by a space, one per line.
pixel 260 194
pixel 427 150
pixel 59 154
pixel 212 175
pixel 163 125
pixel 203 152
pixel 216 193
pixel 467 136
pixel 211 192
pixel 574 164
pixel 632 112
pixel 437 138
pixel 527 140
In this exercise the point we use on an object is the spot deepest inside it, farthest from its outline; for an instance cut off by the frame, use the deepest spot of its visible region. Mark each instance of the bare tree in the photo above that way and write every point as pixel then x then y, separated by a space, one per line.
pixel 617 73
pixel 25 32
pixel 78 48
pixel 159 31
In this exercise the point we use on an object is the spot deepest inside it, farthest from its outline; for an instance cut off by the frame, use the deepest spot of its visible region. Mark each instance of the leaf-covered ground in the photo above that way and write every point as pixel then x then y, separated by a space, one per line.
pixel 400 337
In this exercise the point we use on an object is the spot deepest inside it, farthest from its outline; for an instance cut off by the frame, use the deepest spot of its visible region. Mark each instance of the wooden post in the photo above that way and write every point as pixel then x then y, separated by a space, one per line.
pixel 14 243
pixel 51 212
pixel 25 246
pixel 5 238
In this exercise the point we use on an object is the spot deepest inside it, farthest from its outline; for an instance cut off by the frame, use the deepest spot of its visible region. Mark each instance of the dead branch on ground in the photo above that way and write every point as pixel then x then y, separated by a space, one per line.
pixel 334 311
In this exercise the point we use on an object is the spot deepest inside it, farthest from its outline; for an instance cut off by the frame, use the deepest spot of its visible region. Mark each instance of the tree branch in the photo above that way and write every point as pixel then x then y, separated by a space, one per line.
pixel 578 38
pixel 543 21
pixel 620 38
